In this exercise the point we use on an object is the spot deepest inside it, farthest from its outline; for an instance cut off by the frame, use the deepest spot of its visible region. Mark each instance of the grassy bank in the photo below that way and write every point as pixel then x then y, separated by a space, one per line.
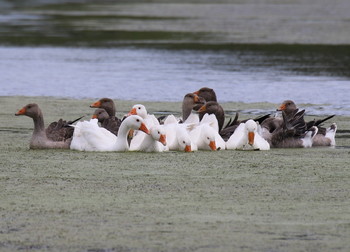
pixel 62 200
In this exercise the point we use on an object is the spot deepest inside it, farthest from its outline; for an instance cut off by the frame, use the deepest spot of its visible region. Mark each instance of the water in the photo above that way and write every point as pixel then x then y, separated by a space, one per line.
pixel 165 75
pixel 248 51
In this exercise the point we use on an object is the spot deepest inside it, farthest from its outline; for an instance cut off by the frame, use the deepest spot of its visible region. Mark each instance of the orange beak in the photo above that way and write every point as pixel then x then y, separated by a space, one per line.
pixel 144 128
pixel 188 148
pixel 162 139
pixel 196 98
pixel 94 116
pixel 22 111
pixel 251 138
pixel 203 108
pixel 96 105
pixel 212 145
pixel 132 112
pixel 282 107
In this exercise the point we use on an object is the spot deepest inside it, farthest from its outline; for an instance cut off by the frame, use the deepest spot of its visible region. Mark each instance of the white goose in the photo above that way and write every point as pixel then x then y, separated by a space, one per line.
pixel 246 137
pixel 89 136
pixel 150 120
pixel 141 110
pixel 211 121
pixel 177 135
pixel 204 137
pixel 154 142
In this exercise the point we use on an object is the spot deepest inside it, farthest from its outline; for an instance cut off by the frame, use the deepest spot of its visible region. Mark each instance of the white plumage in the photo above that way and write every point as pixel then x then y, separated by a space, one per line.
pixel 246 137
pixel 89 136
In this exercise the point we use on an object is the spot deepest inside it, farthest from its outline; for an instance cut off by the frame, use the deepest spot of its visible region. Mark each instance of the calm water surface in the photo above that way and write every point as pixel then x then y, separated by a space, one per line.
pixel 248 51
pixel 167 75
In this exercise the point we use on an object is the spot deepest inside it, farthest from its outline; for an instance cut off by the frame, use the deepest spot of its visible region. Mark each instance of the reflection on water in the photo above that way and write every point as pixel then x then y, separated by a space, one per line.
pixel 166 75
pixel 109 23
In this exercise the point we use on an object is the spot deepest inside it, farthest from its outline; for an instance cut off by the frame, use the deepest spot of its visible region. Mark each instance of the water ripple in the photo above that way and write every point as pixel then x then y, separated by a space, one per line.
pixel 166 75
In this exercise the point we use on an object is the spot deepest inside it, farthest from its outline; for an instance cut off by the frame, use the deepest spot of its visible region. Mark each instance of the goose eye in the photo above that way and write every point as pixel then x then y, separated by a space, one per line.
pixel 184 142
pixel 158 132
pixel 208 138
pixel 137 120
pixel 139 107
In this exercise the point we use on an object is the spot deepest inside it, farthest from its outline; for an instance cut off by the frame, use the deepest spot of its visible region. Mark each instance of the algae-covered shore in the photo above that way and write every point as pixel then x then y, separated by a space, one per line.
pixel 63 200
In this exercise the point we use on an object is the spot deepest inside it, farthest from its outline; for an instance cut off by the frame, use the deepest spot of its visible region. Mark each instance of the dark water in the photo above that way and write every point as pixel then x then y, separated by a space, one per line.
pixel 160 50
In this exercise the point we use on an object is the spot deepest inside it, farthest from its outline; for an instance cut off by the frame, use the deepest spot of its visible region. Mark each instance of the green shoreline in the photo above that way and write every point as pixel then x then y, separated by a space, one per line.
pixel 63 200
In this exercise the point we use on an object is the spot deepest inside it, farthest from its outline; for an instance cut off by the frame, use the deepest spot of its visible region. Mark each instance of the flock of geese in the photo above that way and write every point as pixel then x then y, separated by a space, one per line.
pixel 201 127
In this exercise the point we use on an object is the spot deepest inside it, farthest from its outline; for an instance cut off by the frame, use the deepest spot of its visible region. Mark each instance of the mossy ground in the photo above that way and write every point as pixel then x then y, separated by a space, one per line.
pixel 63 200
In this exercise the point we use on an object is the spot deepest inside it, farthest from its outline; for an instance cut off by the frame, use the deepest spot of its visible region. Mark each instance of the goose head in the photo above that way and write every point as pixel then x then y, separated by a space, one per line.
pixel 209 139
pixel 185 145
pixel 100 114
pixel 251 129
pixel 135 122
pixel 107 104
pixel 215 108
pixel 192 99
pixel 207 93
pixel 159 134
pixel 184 140
pixel 32 110
pixel 210 108
pixel 288 106
pixel 139 110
